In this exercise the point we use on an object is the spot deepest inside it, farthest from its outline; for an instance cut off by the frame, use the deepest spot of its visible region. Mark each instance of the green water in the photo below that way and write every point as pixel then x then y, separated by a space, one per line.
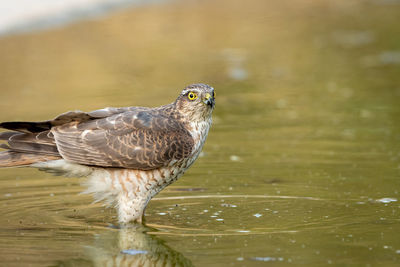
pixel 302 164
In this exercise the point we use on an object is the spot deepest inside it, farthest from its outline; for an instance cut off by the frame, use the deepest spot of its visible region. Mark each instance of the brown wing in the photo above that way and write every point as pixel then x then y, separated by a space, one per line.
pixel 132 137
pixel 31 142
pixel 11 158
pixel 140 139
pixel 70 116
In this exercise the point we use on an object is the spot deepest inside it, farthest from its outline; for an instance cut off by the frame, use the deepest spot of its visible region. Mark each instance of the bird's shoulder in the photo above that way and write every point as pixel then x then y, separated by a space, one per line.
pixel 139 138
pixel 164 118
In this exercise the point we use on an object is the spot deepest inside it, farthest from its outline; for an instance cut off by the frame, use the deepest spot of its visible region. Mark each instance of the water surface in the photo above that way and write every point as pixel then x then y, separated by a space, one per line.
pixel 302 165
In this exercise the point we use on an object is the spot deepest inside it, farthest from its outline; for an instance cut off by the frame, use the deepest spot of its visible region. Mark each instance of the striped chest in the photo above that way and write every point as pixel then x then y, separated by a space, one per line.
pixel 133 189
pixel 199 132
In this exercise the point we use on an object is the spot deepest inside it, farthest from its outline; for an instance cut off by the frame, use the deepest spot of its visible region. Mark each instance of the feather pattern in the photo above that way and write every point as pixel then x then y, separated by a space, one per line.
pixel 129 154
pixel 142 139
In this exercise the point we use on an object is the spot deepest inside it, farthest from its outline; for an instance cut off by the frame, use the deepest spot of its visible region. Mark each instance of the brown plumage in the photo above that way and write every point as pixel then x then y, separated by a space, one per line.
pixel 157 144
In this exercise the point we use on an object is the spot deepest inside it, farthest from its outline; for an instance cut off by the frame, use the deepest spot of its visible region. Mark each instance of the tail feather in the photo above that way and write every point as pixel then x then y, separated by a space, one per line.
pixel 70 116
pixel 4 146
pixel 45 137
pixel 23 149
pixel 33 147
pixel 26 127
pixel 13 159
pixel 7 135
pixel 33 142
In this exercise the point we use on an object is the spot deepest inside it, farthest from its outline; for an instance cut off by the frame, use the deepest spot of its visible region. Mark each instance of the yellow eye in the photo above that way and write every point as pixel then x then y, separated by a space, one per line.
pixel 192 96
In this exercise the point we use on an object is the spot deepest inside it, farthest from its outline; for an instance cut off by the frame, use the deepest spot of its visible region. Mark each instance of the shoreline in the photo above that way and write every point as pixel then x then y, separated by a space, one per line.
pixel 15 20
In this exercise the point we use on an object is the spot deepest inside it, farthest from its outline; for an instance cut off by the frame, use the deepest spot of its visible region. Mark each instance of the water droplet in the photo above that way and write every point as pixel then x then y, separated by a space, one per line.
pixel 386 200
pixel 228 205
pixel 267 259
pixel 133 251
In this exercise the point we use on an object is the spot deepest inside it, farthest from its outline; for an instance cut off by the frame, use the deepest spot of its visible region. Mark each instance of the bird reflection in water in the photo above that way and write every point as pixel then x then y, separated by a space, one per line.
pixel 130 247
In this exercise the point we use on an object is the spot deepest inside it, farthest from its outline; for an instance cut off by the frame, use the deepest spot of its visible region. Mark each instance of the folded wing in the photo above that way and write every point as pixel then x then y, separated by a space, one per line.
pixel 138 138
pixel 142 139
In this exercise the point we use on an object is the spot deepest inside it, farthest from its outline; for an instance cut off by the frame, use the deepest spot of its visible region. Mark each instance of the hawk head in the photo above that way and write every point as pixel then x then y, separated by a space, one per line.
pixel 196 101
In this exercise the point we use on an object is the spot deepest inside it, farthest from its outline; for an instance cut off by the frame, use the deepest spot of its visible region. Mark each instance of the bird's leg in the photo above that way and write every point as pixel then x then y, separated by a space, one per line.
pixel 131 208
pixel 122 187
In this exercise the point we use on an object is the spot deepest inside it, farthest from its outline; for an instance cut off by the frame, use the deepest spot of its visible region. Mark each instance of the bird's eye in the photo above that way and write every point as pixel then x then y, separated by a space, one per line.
pixel 192 96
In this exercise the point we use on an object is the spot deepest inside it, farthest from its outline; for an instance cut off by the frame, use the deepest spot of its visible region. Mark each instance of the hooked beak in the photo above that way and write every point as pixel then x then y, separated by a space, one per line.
pixel 209 100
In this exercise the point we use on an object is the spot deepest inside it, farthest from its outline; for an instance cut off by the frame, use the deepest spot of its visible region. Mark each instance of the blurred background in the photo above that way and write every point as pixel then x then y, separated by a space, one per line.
pixel 301 166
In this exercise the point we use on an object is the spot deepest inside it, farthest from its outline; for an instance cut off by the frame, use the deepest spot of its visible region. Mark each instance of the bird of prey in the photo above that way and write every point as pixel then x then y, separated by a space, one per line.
pixel 129 154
